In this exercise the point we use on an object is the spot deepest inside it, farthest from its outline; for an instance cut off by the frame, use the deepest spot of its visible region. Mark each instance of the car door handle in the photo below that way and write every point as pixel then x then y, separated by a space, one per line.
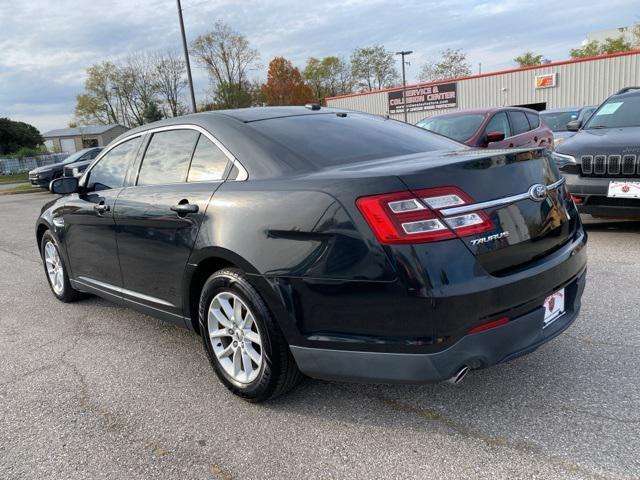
pixel 101 208
pixel 184 208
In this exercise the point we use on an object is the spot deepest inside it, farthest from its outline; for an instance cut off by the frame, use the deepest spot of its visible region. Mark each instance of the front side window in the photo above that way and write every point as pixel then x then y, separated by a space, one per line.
pixel 458 127
pixel 208 162
pixel 519 122
pixel 499 123
pixel 167 157
pixel 111 170
pixel 617 113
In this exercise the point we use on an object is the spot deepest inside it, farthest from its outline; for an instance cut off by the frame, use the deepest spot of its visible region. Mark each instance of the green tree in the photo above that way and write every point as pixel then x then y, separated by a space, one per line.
pixel 328 77
pixel 594 48
pixel 373 68
pixel 452 64
pixel 529 59
pixel 231 95
pixel 18 135
pixel 152 112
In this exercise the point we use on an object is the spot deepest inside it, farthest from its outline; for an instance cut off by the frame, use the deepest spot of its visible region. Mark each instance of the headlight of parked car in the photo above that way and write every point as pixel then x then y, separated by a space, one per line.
pixel 75 172
pixel 562 159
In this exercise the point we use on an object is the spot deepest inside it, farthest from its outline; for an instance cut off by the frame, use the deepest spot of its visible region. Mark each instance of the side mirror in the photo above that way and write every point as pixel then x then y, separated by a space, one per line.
pixel 574 125
pixel 495 137
pixel 64 185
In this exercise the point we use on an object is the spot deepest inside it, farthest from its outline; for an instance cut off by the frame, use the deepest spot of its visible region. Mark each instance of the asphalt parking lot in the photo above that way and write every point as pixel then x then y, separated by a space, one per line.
pixel 94 390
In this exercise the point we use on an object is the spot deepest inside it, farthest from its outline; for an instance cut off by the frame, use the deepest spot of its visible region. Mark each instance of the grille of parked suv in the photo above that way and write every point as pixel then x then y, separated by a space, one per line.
pixel 626 165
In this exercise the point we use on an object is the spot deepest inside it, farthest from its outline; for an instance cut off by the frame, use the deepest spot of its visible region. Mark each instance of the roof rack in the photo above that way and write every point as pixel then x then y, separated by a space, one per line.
pixel 312 106
pixel 626 89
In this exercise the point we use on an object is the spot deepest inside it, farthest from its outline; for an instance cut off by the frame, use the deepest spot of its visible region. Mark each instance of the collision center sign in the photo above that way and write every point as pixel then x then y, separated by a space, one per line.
pixel 433 97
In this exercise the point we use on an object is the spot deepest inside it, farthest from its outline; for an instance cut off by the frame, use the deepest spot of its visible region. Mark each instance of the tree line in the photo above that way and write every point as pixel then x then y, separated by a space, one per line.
pixel 147 87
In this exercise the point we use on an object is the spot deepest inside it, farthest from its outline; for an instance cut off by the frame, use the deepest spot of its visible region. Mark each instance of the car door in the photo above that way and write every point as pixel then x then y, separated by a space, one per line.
pixel 158 216
pixel 498 123
pixel 90 233
pixel 542 135
pixel 520 130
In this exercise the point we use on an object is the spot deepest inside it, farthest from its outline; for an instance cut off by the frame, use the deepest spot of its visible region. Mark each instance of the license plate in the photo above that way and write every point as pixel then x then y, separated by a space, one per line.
pixel 553 308
pixel 624 190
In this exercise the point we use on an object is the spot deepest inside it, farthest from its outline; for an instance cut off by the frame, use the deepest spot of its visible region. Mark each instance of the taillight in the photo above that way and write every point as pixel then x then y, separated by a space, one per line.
pixel 488 325
pixel 414 217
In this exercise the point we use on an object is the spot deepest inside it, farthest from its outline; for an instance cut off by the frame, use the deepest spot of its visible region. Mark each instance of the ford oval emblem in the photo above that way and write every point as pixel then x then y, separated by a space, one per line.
pixel 538 192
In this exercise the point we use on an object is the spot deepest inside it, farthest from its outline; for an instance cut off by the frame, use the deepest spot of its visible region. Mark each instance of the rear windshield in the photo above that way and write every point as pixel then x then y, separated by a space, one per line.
pixel 329 139
pixel 458 127
pixel 557 121
pixel 617 112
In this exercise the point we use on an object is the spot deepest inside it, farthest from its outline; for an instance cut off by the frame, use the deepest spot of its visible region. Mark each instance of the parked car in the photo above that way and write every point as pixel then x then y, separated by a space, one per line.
pixel 557 120
pixel 42 176
pixel 602 160
pixel 76 169
pixel 324 242
pixel 507 127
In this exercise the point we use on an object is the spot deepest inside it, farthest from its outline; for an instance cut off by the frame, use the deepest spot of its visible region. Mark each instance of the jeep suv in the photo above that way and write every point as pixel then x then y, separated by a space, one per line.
pixel 602 161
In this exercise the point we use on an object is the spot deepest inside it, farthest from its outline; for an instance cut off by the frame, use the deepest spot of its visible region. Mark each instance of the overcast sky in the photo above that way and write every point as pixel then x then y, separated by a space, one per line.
pixel 46 45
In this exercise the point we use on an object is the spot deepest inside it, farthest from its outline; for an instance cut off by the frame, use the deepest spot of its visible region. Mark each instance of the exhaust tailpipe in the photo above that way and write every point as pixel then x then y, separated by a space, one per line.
pixel 459 376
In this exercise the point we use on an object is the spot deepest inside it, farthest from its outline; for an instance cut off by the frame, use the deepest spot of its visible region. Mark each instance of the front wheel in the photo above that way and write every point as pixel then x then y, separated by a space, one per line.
pixel 56 271
pixel 245 346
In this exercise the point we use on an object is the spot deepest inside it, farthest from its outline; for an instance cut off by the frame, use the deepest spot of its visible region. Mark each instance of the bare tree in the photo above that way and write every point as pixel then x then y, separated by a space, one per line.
pixel 170 78
pixel 226 54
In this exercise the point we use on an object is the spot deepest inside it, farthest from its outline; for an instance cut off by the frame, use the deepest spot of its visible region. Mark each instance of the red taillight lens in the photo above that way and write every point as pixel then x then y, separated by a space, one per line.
pixel 488 325
pixel 414 217
pixel 577 200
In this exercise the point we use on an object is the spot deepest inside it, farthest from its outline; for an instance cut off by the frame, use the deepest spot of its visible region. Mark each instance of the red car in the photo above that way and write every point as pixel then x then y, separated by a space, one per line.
pixel 503 127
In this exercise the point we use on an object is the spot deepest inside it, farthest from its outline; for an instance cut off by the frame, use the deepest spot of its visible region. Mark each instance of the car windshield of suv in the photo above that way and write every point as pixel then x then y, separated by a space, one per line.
pixel 458 127
pixel 616 113
pixel 557 121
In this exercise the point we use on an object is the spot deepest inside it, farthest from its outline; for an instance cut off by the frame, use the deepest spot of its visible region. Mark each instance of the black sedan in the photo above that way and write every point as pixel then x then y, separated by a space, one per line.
pixel 42 176
pixel 323 242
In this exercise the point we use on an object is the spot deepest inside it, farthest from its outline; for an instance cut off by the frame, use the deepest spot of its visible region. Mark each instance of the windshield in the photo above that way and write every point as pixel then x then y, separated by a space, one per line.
pixel 617 113
pixel 329 139
pixel 459 127
pixel 74 157
pixel 557 121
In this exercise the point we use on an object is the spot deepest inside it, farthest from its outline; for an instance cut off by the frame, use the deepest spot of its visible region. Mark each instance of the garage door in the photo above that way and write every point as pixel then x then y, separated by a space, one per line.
pixel 68 145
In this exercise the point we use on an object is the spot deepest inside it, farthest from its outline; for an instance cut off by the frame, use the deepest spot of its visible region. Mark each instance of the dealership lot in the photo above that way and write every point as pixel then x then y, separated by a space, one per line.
pixel 93 390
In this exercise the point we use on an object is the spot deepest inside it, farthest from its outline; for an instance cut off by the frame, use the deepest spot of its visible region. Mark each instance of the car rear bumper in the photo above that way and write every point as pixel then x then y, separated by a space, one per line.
pixel 519 336
pixel 593 191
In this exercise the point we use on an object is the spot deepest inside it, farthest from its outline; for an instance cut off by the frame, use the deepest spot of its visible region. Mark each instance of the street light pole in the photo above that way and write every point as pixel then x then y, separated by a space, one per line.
pixel 186 58
pixel 404 82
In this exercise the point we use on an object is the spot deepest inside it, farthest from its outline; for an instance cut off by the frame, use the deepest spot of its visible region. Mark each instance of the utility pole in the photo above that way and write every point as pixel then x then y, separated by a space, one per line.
pixel 186 58
pixel 404 82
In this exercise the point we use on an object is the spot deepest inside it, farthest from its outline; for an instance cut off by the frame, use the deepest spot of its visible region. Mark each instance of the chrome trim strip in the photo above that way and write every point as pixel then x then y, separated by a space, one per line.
pixel 497 202
pixel 242 172
pixel 123 291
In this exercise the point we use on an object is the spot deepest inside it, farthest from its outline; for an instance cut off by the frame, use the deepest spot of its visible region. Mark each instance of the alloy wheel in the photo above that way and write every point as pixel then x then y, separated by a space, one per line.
pixel 55 270
pixel 235 337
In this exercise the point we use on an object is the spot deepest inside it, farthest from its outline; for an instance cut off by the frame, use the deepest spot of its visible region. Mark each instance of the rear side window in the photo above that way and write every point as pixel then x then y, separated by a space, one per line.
pixel 208 163
pixel 167 157
pixel 534 120
pixel 519 122
pixel 499 123
pixel 110 171
pixel 329 139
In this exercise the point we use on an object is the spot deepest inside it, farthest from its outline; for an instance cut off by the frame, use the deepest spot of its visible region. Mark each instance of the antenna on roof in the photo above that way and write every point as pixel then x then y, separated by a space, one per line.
pixel 312 106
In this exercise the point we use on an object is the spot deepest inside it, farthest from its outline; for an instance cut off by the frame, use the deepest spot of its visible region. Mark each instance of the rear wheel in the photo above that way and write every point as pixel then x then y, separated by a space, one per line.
pixel 246 349
pixel 56 271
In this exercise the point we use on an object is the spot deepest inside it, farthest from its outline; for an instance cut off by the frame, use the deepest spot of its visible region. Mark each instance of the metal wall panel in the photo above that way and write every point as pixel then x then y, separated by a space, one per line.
pixel 580 83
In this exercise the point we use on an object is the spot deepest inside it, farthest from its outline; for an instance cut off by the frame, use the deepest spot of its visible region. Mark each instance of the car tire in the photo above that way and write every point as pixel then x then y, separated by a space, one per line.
pixel 248 354
pixel 56 270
